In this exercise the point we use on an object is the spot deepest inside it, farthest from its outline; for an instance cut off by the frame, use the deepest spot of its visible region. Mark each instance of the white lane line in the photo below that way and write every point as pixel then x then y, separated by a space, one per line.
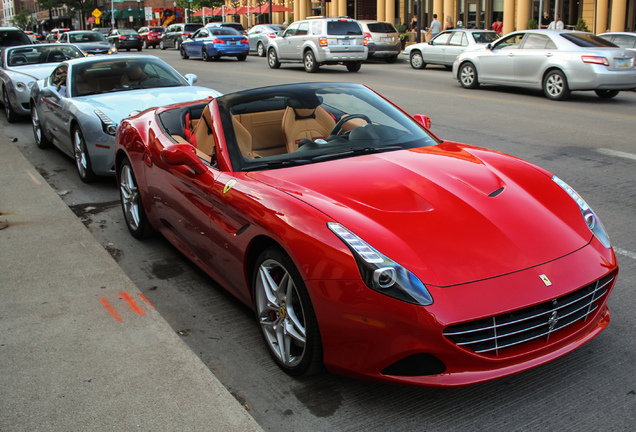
pixel 626 253
pixel 617 153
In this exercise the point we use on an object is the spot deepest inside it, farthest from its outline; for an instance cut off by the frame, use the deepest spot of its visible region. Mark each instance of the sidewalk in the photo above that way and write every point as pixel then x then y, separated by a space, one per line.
pixel 80 347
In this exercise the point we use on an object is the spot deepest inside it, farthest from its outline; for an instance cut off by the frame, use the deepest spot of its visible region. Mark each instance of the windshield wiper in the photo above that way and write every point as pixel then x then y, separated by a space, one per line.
pixel 356 151
pixel 278 164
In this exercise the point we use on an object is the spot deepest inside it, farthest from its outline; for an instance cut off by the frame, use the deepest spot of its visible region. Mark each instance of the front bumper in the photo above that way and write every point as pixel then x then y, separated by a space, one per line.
pixel 370 336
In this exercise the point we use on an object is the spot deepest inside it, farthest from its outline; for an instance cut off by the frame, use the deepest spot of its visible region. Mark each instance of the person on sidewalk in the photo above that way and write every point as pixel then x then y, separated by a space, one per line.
pixel 436 26
pixel 498 25
pixel 556 24
pixel 545 21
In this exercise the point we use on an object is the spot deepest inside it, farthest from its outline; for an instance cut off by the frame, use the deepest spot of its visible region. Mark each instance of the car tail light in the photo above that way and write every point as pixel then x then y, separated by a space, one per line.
pixel 366 42
pixel 185 34
pixel 271 35
pixel 367 36
pixel 218 41
pixel 121 37
pixel 322 41
pixel 595 60
pixel 245 41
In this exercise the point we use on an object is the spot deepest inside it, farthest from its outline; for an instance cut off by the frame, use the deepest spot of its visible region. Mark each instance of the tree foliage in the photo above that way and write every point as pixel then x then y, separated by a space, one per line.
pixel 22 19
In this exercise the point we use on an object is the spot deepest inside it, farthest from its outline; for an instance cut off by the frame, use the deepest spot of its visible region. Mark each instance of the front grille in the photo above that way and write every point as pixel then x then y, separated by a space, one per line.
pixel 489 335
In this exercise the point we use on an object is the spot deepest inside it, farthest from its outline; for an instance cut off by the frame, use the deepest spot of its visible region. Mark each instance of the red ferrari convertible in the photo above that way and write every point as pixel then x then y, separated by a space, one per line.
pixel 364 243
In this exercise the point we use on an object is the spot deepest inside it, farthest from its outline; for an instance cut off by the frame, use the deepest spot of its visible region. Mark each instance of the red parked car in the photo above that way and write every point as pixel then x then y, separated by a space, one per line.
pixel 362 241
pixel 151 36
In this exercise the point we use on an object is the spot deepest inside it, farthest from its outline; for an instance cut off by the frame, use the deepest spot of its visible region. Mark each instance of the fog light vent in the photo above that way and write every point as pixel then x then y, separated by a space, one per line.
pixel 416 365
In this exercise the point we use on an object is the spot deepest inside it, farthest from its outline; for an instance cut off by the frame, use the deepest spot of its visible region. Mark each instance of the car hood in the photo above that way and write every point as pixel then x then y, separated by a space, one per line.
pixel 452 214
pixel 36 71
pixel 119 105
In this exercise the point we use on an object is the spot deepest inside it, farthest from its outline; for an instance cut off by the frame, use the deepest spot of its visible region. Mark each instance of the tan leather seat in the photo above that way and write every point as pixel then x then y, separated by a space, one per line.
pixel 310 123
pixel 134 75
pixel 202 137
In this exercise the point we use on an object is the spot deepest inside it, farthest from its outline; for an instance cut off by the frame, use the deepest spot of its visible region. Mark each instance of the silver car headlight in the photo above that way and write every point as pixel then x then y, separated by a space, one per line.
pixel 109 126
pixel 591 220
pixel 381 273
pixel 20 86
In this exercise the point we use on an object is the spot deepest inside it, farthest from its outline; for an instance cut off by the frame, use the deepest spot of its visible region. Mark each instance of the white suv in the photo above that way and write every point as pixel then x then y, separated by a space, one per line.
pixel 320 41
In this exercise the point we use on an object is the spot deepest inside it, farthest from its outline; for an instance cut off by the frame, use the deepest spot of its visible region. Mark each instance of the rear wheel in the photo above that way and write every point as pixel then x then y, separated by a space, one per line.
pixel 468 77
pixel 606 94
pixel 555 85
pixel 391 59
pixel 145 44
pixel 272 59
pixel 285 313
pixel 417 61
pixel 177 45
pixel 82 158
pixel 162 45
pixel 131 204
pixel 260 49
pixel 354 66
pixel 40 139
pixel 309 61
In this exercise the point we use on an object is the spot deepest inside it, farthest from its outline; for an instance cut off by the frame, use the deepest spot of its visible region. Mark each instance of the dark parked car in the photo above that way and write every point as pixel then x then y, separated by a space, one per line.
pixel 176 34
pixel 125 39
pixel 13 36
pixel 151 35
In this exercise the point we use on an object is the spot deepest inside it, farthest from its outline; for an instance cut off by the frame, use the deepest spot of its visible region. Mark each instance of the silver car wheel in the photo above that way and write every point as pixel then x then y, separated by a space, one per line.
pixel 260 49
pixel 280 313
pixel 129 197
pixel 82 158
pixel 555 86
pixel 468 76
pixel 40 139
pixel 417 61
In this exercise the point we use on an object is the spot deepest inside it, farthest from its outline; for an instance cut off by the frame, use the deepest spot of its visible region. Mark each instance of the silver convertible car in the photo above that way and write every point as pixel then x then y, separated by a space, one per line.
pixel 22 66
pixel 444 48
pixel 78 106
pixel 555 61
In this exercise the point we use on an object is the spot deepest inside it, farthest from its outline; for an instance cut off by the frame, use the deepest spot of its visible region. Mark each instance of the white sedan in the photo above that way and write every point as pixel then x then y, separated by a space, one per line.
pixel 444 48
pixel 555 61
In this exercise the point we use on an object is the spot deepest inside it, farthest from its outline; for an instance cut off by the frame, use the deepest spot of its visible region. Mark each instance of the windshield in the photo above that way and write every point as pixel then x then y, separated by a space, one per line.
pixel 36 54
pixel 120 75
pixel 299 124
pixel 86 37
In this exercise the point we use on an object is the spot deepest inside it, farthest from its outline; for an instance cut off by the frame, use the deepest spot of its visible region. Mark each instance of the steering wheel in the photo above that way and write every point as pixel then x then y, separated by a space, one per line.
pixel 338 127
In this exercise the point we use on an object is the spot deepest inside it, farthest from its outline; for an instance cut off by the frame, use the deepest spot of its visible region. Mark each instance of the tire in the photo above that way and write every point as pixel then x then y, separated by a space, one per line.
pixel 12 116
pixel 417 61
pixel 354 66
pixel 177 45
pixel 260 49
pixel 139 49
pixel 468 77
pixel 162 45
pixel 131 204
pixel 285 314
pixel 606 94
pixel 38 133
pixel 391 59
pixel 272 59
pixel 555 85
pixel 241 57
pixel 81 156
pixel 127 49
pixel 145 45
pixel 185 56
pixel 309 61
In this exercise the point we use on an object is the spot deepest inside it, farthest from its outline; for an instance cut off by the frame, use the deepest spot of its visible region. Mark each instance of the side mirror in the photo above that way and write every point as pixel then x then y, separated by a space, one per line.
pixel 423 120
pixel 191 78
pixel 182 154
pixel 489 46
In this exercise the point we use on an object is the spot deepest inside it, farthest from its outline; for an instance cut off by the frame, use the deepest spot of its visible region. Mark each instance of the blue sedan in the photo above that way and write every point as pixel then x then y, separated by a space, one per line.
pixel 214 43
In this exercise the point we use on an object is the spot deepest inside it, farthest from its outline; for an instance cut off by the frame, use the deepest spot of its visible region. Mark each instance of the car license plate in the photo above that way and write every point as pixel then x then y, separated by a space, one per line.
pixel 622 63
pixel 345 42
pixel 387 39
pixel 232 42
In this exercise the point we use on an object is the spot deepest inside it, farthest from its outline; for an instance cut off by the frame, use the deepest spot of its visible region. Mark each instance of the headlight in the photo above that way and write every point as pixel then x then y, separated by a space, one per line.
pixel 109 126
pixel 591 220
pixel 20 86
pixel 381 273
pixel 112 50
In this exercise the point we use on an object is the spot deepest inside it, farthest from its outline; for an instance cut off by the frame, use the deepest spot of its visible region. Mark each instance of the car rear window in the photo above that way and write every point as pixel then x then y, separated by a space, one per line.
pixel 343 28
pixel 13 38
pixel 192 27
pixel 625 41
pixel 381 27
pixel 156 29
pixel 587 40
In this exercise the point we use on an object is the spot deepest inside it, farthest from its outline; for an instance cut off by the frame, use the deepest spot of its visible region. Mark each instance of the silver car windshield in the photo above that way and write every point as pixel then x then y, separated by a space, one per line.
pixel 36 54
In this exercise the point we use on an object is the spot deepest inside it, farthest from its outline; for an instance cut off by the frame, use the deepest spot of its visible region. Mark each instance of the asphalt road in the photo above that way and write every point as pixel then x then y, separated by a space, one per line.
pixel 587 141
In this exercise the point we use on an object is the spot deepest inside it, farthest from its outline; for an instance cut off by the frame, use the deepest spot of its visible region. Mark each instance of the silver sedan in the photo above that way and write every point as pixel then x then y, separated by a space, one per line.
pixel 444 48
pixel 22 66
pixel 554 61
pixel 79 105
pixel 259 37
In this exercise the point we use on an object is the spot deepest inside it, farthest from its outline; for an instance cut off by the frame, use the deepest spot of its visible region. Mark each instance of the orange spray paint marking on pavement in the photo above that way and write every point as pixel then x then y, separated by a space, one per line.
pixel 132 304
pixel 110 309
pixel 147 301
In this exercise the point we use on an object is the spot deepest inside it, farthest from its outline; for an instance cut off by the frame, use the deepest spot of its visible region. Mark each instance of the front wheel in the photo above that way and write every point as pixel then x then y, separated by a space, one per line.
pixel 606 94
pixel 272 59
pixel 40 139
pixel 309 61
pixel 354 66
pixel 468 77
pixel 285 314
pixel 185 56
pixel 131 204
pixel 417 61
pixel 82 158
pixel 12 116
pixel 555 85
